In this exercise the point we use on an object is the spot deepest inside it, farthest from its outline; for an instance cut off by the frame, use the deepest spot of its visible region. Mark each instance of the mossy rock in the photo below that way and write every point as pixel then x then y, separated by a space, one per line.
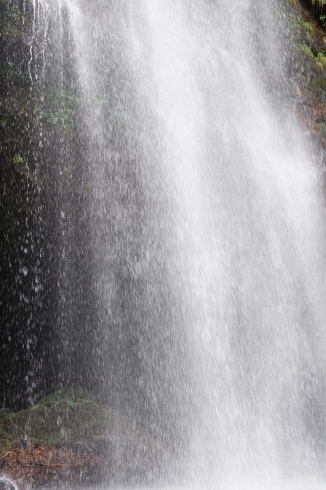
pixel 65 417
pixel 4 442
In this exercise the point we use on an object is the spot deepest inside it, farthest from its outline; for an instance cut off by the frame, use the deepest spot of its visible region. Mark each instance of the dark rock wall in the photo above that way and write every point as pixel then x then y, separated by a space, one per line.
pixel 316 7
pixel 46 324
pixel 53 331
pixel 24 292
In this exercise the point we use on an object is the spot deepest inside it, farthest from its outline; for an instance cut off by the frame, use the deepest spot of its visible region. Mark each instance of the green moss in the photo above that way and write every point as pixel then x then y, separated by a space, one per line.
pixel 302 79
pixel 318 87
pixel 308 28
pixel 4 441
pixel 307 51
pixel 319 83
pixel 321 60
pixel 17 159
pixel 65 417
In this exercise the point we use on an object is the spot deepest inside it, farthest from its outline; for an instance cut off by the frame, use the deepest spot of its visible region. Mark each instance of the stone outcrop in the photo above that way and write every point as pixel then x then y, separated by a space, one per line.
pixel 68 437
pixel 308 68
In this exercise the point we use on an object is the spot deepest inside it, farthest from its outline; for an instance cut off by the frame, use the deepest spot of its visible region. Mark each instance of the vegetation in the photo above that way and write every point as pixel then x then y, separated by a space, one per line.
pixel 18 159
pixel 320 60
pixel 40 464
pixel 68 436
pixel 308 28
pixel 63 418
pixel 307 51
pixel 318 3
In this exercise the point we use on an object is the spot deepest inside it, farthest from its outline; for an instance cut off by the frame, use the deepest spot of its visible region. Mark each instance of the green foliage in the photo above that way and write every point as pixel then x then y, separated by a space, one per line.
pixel 307 51
pixel 318 84
pixel 17 159
pixel 321 60
pixel 308 28
pixel 319 6
pixel 318 3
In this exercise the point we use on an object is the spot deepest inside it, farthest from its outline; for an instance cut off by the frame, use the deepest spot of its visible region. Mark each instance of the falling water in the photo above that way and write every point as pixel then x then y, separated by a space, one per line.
pixel 205 234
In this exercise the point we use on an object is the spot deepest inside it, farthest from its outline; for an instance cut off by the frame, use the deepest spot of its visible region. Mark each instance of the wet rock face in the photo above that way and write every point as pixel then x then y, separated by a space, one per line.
pixel 7 485
pixel 317 7
pixel 38 139
pixel 307 68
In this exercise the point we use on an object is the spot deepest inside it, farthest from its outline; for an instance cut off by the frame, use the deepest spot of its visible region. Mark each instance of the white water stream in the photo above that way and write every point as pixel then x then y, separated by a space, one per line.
pixel 248 233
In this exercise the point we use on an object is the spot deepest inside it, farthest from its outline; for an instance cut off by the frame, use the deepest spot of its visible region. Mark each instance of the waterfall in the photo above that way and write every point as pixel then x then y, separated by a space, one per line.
pixel 205 234
pixel 247 233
